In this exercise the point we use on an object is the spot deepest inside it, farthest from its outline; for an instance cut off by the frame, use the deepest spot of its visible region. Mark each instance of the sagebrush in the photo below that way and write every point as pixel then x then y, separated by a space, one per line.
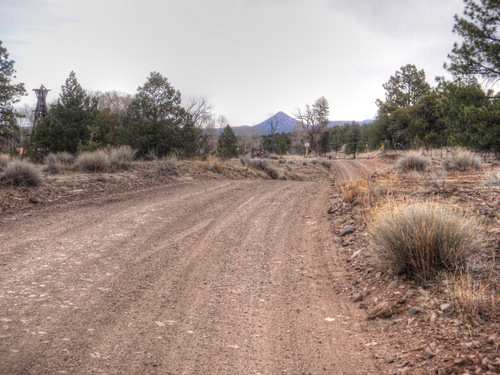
pixel 412 162
pixel 96 161
pixel 462 160
pixel 21 173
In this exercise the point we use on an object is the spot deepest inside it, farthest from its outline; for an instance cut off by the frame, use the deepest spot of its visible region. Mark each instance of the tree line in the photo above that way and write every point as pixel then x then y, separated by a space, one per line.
pixel 413 113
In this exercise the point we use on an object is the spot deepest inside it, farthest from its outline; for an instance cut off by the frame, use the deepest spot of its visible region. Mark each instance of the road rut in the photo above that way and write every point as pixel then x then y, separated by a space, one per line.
pixel 211 277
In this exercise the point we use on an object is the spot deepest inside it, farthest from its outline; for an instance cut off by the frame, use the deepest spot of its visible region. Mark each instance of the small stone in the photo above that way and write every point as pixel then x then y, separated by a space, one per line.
pixel 347 230
pixel 415 310
pixel 433 317
pixel 357 297
pixel 35 200
pixel 355 254
pixel 392 285
pixel 476 344
pixel 382 310
pixel 492 339
pixel 390 359
pixel 433 346
pixel 428 353
pixel 444 306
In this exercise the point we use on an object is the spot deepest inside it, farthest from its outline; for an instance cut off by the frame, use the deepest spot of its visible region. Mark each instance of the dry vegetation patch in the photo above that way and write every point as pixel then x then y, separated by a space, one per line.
pixel 410 254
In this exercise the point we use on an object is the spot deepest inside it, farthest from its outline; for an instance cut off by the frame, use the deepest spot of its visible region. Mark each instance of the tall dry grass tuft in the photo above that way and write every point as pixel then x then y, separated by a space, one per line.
pixel 166 165
pixel 4 160
pixel 422 238
pixel 21 173
pixel 122 156
pixel 471 298
pixel 57 162
pixel 412 162
pixel 364 191
pixel 96 161
pixel 462 160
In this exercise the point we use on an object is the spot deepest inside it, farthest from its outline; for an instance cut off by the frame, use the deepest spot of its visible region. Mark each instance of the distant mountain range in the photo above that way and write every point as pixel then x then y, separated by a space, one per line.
pixel 286 124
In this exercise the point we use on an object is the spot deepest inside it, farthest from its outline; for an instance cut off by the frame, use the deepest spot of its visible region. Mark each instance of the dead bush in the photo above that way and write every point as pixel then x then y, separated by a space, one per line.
pixel 412 162
pixel 420 239
pixel 96 161
pixel 20 173
pixel 462 160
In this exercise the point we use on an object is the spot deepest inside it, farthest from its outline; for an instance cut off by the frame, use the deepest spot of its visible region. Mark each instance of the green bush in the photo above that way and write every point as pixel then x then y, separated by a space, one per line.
pixel 21 173
pixel 420 239
pixel 412 162
pixel 122 156
pixel 462 161
pixel 96 161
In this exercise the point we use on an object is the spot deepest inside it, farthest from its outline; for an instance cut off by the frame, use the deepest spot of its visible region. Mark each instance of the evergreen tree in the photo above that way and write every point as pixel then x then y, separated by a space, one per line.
pixel 479 53
pixel 9 94
pixel 353 140
pixel 69 125
pixel 155 117
pixel 227 147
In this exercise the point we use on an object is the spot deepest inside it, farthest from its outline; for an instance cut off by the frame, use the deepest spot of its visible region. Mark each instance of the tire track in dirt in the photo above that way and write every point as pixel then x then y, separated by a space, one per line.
pixel 350 170
pixel 214 277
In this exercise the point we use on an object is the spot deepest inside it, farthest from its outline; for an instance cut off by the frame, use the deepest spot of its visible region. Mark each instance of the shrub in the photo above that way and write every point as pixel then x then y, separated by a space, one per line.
pixel 412 162
pixel 96 161
pixel 4 160
pixel 420 239
pixel 55 163
pixel 492 179
pixel 122 156
pixel 263 165
pixel 21 173
pixel 462 160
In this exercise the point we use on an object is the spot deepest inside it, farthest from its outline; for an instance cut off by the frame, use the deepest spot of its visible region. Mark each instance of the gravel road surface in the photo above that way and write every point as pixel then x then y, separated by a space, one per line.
pixel 210 277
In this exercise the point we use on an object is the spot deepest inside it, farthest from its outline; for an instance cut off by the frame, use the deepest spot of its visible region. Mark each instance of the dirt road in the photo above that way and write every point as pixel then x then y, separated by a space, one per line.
pixel 349 170
pixel 213 277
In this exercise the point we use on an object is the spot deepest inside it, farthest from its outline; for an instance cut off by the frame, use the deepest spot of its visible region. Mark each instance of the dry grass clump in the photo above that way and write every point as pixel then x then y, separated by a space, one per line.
pixel 262 165
pixel 363 190
pixel 21 173
pixel 492 179
pixel 57 162
pixel 412 162
pixel 122 156
pixel 471 298
pixel 4 160
pixel 462 160
pixel 166 165
pixel 420 239
pixel 96 161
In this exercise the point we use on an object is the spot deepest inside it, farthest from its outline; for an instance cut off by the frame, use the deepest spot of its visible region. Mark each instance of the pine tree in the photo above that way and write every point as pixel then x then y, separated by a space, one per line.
pixel 479 53
pixel 227 147
pixel 9 94
pixel 69 124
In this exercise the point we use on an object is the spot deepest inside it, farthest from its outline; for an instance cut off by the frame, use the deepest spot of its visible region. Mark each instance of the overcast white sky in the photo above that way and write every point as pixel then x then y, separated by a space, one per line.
pixel 249 58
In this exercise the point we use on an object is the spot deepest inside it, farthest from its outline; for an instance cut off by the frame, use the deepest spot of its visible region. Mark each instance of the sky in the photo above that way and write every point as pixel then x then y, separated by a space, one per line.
pixel 248 58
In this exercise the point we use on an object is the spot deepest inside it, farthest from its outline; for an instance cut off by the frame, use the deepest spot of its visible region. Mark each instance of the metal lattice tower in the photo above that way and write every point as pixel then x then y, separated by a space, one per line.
pixel 41 104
